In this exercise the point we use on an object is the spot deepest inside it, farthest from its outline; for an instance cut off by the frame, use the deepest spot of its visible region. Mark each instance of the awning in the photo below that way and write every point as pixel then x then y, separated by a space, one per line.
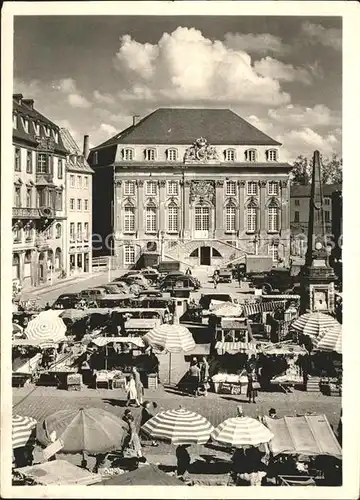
pixel 199 350
pixel 101 341
pixel 281 297
pixel 141 324
pixel 282 349
pixel 261 307
pixel 306 435
pixel 234 347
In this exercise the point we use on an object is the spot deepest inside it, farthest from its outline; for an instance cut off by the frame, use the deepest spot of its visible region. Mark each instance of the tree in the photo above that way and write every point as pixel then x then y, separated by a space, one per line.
pixel 331 170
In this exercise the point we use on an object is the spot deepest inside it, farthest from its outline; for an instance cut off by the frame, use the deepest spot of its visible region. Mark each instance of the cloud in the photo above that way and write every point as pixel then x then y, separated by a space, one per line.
pixel 305 141
pixel 78 101
pixel 299 116
pixel 316 33
pixel 103 98
pixel 30 90
pixel 261 43
pixel 185 67
pixel 108 129
pixel 74 97
pixel 66 85
pixel 277 70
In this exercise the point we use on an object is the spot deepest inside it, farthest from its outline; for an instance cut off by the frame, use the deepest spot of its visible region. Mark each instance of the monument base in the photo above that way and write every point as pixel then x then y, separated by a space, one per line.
pixel 318 289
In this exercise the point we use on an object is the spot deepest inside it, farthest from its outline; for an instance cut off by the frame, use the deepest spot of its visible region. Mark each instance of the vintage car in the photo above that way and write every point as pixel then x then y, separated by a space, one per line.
pixel 279 279
pixel 225 276
pixel 67 301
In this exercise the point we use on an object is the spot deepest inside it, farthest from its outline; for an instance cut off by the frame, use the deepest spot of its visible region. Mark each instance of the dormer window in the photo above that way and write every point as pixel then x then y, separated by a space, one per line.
pixel 25 125
pixel 47 131
pixel 250 155
pixel 36 128
pixel 128 154
pixel 272 155
pixel 14 121
pixel 56 136
pixel 150 154
pixel 171 155
pixel 230 155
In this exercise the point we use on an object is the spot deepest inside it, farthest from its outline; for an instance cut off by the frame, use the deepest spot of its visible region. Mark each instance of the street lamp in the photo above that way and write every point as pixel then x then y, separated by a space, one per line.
pixel 162 234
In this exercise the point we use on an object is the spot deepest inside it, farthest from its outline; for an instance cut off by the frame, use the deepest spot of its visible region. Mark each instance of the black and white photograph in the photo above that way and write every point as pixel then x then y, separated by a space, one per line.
pixel 175 191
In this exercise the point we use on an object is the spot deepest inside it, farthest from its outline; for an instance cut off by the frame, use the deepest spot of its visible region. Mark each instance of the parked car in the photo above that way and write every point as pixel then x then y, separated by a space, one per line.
pixel 225 276
pixel 171 282
pixel 137 279
pixel 206 299
pixel 280 280
pixel 150 274
pixel 121 286
pixel 112 288
pixel 93 293
pixel 67 301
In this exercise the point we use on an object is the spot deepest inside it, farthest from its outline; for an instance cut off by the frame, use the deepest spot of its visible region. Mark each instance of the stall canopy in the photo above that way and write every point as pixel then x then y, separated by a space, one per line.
pixel 235 347
pixel 141 324
pixel 281 297
pixel 305 435
pixel 101 341
pixel 282 348
pixel 261 307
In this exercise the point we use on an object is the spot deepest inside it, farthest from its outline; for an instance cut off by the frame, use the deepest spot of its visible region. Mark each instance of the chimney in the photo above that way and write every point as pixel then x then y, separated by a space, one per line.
pixel 135 120
pixel 29 103
pixel 86 147
pixel 18 98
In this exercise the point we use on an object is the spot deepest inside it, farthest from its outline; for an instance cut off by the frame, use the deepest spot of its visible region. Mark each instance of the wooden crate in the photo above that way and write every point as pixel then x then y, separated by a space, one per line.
pixel 313 384
pixel 153 381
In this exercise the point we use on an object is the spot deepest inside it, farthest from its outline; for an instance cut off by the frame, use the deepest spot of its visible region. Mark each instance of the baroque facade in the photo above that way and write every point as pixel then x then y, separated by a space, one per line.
pixel 196 185
pixel 39 210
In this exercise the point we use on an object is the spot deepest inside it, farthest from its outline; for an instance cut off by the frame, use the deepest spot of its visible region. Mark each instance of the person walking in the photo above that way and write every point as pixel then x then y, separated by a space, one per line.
pixel 194 377
pixel 216 279
pixel 253 386
pixel 131 391
pixel 134 440
pixel 139 384
pixel 183 459
pixel 147 414
pixel 204 375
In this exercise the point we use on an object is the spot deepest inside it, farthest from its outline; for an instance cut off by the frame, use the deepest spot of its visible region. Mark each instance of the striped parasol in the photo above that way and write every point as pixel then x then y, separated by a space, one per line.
pixel 179 427
pixel 172 338
pixel 46 327
pixel 23 429
pixel 242 431
pixel 329 339
pixel 311 324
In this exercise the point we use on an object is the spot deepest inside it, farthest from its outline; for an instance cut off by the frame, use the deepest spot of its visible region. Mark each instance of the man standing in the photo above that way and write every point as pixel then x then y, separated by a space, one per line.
pixel 139 385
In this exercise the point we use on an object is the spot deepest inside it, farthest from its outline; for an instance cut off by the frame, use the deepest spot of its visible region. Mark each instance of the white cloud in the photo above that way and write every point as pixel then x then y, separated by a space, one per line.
pixel 280 71
pixel 30 90
pixel 316 33
pixel 261 43
pixel 305 141
pixel 108 129
pixel 103 98
pixel 299 116
pixel 66 85
pixel 185 67
pixel 78 101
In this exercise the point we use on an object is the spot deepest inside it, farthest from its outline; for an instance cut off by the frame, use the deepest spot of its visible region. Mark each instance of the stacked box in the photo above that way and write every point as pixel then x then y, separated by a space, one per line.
pixel 152 381
pixel 74 382
pixel 313 384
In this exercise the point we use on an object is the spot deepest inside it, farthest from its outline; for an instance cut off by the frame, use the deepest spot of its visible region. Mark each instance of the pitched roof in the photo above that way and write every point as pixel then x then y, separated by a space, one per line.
pixel 304 191
pixel 185 125
pixel 79 163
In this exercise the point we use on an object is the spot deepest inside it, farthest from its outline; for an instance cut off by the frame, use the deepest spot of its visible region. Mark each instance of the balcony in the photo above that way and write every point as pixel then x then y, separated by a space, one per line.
pixel 25 213
pixel 45 179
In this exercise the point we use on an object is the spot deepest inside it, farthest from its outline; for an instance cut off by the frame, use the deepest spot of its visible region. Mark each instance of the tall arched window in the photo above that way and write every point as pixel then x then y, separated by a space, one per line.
pixel 151 219
pixel 173 218
pixel 58 231
pixel 230 222
pixel 251 217
pixel 129 219
pixel 273 217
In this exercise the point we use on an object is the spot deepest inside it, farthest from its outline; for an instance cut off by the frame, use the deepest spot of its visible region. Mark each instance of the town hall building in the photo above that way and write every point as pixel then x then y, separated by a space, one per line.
pixel 201 186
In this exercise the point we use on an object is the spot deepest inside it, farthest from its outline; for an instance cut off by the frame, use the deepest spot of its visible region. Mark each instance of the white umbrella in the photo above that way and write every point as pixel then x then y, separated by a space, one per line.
pixel 329 339
pixel 311 324
pixel 242 431
pixel 179 427
pixel 46 327
pixel 22 429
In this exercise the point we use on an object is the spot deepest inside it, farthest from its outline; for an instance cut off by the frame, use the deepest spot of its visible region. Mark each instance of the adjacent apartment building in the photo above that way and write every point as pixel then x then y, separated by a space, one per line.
pixel 201 186
pixel 79 206
pixel 39 205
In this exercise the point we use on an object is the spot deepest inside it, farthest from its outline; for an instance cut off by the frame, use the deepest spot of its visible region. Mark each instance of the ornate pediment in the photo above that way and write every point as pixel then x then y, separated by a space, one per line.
pixel 201 152
pixel 202 191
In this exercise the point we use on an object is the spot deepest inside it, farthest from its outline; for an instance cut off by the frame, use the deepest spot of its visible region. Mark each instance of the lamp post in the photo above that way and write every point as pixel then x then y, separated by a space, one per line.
pixel 162 234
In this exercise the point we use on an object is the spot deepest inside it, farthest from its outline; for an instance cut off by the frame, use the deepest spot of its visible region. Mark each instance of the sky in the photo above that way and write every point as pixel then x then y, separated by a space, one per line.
pixel 91 74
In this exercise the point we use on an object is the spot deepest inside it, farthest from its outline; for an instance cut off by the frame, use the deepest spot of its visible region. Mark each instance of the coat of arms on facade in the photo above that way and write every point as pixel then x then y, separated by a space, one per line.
pixel 202 191
pixel 201 151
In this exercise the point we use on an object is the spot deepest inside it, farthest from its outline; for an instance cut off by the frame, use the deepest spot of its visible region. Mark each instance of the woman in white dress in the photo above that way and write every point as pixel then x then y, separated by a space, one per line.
pixel 131 391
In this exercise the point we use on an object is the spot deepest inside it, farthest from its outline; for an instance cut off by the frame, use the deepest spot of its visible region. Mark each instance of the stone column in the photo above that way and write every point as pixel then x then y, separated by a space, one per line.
pixel 187 211
pixel 219 209
pixel 241 211
pixel 263 223
pixel 162 210
pixel 140 209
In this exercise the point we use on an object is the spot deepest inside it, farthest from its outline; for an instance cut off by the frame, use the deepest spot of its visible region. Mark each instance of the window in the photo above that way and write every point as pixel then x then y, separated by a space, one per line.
pixel 86 205
pixel 17 154
pixel 86 231
pixel 28 233
pixel 171 155
pixel 129 255
pixel 72 203
pixel 296 216
pixel 151 219
pixel 230 218
pixel 128 154
pixel 326 201
pixel 274 251
pixel 58 200
pixel 327 216
pixel 150 154
pixel 173 221
pixel 42 163
pixel 202 218
pixel 29 164
pixel 36 128
pixel 129 188
pixel 86 181
pixel 230 188
pixel 230 155
pixel 72 231
pixel 129 219
pixel 78 232
pixel 96 157
pixel 252 188
pixel 72 181
pixel 273 188
pixel 16 234
pixel 79 181
pixel 79 205
pixel 250 155
pixel 58 231
pixel 56 136
pixel 29 197
pixel 173 188
pixel 26 125
pixel 273 218
pixel 297 202
pixel 17 197
pixel 151 188
pixel 47 131
pixel 14 121
pixel 60 169
pixel 272 155
pixel 251 218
